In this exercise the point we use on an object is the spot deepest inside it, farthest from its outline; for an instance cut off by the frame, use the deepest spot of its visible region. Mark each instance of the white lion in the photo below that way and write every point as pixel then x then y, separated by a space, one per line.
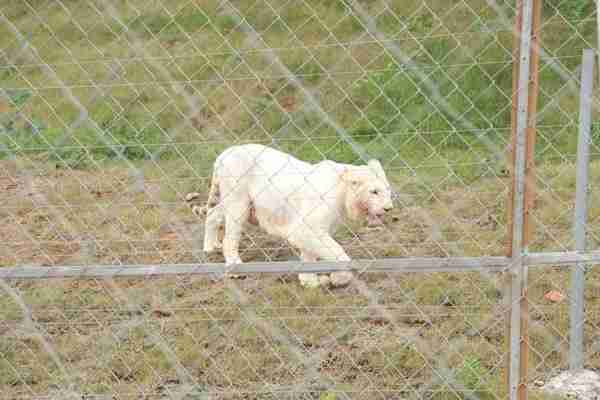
pixel 292 199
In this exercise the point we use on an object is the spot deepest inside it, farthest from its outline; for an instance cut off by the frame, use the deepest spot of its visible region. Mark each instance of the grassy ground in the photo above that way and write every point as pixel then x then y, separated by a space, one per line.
pixel 107 186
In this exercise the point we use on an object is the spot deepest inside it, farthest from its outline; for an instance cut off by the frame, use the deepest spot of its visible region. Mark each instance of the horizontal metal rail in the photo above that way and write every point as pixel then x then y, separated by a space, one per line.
pixel 395 265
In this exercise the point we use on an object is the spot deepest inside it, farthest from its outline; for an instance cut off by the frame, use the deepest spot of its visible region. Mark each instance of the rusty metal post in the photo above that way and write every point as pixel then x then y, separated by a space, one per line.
pixel 522 194
pixel 510 163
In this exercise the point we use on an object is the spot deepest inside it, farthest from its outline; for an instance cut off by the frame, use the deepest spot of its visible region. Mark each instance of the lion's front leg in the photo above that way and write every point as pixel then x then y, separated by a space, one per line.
pixel 324 247
pixel 311 280
pixel 336 253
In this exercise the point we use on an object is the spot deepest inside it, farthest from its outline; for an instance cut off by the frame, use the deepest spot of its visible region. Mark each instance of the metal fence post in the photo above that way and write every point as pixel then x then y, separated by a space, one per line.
pixel 529 196
pixel 583 156
pixel 517 29
pixel 525 88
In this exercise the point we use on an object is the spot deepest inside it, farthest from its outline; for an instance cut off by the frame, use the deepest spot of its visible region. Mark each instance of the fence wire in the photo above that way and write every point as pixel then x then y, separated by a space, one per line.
pixel 112 112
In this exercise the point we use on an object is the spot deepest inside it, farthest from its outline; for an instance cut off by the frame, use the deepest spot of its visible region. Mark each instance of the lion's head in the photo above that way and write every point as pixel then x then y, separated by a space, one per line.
pixel 368 192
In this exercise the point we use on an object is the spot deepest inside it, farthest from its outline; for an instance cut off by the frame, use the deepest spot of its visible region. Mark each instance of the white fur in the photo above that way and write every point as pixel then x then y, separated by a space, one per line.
pixel 292 199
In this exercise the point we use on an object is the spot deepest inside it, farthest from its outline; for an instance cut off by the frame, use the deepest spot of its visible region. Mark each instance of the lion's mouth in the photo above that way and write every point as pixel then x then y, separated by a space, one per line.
pixel 374 219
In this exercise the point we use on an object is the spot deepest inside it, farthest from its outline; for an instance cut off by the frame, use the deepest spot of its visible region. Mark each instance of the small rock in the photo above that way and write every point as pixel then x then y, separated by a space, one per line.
pixel 471 332
pixel 192 196
pixel 447 301
pixel 580 385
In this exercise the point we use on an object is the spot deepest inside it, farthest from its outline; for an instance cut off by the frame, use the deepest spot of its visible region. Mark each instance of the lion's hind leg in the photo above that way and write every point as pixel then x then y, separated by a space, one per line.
pixel 215 218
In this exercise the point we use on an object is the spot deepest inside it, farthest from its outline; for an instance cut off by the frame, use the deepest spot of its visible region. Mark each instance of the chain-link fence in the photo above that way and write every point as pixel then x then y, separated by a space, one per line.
pixel 112 112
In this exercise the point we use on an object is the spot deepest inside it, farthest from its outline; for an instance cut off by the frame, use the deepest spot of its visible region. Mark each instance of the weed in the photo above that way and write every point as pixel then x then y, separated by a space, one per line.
pixel 309 71
pixel 595 135
pixel 328 396
pixel 192 22
pixel 18 98
pixel 422 22
pixel 85 146
pixel 470 373
pixel 571 9
pixel 163 24
pixel 394 103
pixel 226 23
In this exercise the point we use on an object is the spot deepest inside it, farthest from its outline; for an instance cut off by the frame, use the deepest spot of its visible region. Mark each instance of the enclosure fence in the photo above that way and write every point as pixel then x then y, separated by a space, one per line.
pixel 481 283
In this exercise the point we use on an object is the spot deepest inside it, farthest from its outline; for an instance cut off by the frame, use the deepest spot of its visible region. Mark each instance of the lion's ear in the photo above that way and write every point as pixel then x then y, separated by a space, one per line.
pixel 374 163
pixel 376 166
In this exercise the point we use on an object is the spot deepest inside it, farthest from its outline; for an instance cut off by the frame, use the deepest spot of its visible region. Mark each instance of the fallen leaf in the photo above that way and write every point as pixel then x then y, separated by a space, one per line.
pixel 554 296
pixel 161 313
pixel 288 103
pixel 169 237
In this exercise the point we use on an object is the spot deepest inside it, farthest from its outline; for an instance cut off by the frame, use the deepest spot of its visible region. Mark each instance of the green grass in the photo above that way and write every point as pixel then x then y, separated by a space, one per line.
pixel 177 25
pixel 392 100
pixel 573 9
pixel 110 347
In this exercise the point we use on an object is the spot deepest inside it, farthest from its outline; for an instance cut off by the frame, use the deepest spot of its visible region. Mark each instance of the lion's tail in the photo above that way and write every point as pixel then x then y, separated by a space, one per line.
pixel 196 209
pixel 212 201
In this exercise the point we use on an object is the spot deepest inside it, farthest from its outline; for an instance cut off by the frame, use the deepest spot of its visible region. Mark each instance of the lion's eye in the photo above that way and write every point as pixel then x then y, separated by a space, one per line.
pixel 375 192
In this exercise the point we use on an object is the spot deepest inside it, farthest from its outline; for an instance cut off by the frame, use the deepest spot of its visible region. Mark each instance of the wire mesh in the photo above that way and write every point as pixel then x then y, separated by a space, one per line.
pixel 111 112
pixel 549 292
